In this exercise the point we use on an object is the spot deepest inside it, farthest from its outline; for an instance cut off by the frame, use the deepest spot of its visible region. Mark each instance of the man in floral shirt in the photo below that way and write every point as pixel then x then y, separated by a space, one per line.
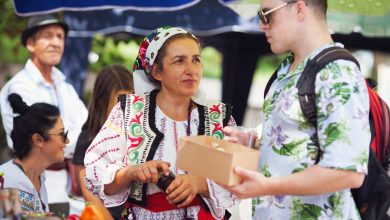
pixel 291 184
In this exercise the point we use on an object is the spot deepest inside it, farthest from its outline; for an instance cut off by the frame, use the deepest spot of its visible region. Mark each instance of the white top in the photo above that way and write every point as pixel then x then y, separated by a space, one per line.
pixel 109 143
pixel 32 87
pixel 30 199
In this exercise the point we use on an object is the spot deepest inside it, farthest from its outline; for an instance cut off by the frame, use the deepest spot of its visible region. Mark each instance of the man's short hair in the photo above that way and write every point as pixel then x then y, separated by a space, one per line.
pixel 320 6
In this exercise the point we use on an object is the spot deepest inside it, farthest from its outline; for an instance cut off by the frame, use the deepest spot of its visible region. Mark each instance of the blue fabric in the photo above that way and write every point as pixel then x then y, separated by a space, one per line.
pixel 28 7
pixel 205 18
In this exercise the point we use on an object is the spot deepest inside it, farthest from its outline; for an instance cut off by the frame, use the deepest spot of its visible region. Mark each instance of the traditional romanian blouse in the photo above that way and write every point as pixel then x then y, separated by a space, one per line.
pixel 111 150
pixel 30 199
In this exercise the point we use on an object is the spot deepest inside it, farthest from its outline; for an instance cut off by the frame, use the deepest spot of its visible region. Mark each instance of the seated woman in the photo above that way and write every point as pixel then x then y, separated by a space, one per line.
pixel 140 137
pixel 111 82
pixel 39 140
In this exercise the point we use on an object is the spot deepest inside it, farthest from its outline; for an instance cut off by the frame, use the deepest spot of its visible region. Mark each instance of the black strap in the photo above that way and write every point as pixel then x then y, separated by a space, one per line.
pixel 270 81
pixel 306 82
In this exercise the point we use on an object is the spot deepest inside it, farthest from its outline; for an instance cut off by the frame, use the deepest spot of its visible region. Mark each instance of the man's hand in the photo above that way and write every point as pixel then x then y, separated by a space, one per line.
pixel 253 184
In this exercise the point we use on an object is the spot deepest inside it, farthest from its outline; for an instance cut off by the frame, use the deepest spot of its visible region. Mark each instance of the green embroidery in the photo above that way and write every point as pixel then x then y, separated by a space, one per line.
pixel 214 116
pixel 218 134
pixel 136 129
pixel 138 106
pixel 133 157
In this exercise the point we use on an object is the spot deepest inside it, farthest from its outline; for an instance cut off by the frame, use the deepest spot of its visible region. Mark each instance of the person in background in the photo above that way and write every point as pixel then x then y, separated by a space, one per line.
pixel 307 171
pixel 41 81
pixel 111 82
pixel 39 139
pixel 140 138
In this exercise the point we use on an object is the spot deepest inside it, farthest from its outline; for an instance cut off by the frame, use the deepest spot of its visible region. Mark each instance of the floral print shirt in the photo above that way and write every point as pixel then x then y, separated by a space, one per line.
pixel 288 144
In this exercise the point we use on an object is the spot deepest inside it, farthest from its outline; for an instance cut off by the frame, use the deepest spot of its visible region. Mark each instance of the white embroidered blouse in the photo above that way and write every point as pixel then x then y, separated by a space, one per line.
pixel 107 152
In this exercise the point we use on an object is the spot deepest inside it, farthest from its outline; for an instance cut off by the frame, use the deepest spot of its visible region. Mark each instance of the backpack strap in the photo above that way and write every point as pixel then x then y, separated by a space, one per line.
pixel 270 81
pixel 306 82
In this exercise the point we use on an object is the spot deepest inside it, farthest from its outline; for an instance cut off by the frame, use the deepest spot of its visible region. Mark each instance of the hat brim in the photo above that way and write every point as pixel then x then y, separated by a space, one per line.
pixel 30 31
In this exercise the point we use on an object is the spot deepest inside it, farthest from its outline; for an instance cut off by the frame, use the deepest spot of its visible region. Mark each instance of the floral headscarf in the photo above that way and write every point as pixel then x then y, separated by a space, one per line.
pixel 149 48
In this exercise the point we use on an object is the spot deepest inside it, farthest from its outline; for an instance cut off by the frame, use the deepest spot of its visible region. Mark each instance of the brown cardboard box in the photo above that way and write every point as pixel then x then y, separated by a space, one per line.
pixel 202 155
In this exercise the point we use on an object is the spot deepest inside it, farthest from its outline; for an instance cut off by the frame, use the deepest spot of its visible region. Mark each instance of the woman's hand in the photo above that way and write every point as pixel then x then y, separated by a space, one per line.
pixel 242 135
pixel 145 172
pixel 184 188
pixel 148 172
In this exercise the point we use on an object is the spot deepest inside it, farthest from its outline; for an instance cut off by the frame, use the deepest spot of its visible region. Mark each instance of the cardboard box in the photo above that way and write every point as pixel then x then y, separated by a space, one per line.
pixel 203 156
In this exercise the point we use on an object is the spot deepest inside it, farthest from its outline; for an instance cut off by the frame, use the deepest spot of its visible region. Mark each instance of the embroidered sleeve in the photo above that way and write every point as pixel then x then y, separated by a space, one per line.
pixel 105 156
pixel 220 199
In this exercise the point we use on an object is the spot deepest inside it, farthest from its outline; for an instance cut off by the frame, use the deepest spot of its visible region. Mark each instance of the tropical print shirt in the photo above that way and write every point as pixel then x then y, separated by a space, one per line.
pixel 288 139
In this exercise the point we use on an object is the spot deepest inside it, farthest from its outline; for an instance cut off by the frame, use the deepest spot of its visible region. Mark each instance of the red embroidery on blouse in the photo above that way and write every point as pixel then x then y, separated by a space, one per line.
pixel 90 148
pixel 102 155
pixel 134 142
pixel 217 127
pixel 215 108
pixel 137 98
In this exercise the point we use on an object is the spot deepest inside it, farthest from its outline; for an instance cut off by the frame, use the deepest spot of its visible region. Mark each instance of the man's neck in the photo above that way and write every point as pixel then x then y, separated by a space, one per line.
pixel 311 41
pixel 45 70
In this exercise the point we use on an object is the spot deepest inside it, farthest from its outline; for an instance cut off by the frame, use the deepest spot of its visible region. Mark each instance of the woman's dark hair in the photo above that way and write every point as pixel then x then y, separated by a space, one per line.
pixel 37 118
pixel 110 80
pixel 163 50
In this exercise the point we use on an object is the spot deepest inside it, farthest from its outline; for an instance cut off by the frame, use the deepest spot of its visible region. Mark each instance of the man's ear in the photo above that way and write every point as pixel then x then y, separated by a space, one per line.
pixel 37 140
pixel 301 9
pixel 156 72
pixel 30 44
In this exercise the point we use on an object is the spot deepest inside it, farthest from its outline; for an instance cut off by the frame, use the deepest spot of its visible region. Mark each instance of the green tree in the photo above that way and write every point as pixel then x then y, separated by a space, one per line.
pixel 11 26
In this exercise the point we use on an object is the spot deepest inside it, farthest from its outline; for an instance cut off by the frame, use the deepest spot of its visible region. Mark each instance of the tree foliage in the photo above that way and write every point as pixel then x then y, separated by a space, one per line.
pixel 11 26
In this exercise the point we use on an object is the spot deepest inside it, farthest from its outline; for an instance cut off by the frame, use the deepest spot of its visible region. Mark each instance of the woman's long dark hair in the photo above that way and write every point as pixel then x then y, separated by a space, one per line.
pixel 37 118
pixel 110 80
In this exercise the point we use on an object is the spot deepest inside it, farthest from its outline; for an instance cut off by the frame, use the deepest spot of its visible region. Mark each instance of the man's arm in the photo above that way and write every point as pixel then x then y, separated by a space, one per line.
pixel 312 181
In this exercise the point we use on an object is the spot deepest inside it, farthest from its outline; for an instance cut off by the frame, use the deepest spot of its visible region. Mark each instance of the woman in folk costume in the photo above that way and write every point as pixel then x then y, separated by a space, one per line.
pixel 140 137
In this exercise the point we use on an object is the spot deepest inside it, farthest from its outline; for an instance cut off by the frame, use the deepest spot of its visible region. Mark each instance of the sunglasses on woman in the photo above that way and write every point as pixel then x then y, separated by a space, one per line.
pixel 64 135
pixel 265 16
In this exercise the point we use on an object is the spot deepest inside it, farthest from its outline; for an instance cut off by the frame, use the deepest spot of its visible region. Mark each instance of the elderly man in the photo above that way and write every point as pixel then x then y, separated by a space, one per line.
pixel 41 81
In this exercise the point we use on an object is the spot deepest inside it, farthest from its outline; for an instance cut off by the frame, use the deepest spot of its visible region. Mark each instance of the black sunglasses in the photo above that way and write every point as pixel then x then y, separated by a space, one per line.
pixel 64 135
pixel 265 17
